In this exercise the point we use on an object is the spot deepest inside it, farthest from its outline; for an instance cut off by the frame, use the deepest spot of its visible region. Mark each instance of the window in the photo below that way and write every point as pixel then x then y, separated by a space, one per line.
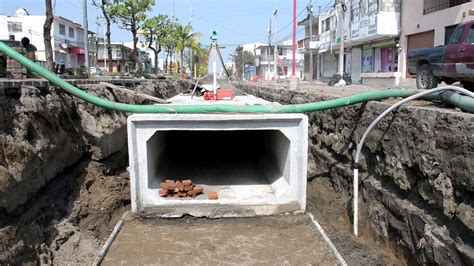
pixel 430 6
pixel 71 32
pixel 470 37
pixel 62 29
pixel 80 36
pixel 457 35
pixel 14 27
pixel 367 60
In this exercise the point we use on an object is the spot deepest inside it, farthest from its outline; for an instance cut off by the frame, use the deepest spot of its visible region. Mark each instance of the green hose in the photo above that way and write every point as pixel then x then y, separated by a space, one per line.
pixel 271 108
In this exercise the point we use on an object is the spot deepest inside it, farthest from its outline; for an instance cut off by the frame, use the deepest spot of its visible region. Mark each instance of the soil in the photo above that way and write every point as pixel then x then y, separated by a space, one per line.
pixel 330 209
pixel 280 240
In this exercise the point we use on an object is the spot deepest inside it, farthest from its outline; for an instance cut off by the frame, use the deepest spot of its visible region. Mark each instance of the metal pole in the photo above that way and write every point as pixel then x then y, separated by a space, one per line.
pixel 105 49
pixel 310 11
pixel 293 63
pixel 269 48
pixel 275 69
pixel 86 36
pixel 214 68
pixel 341 35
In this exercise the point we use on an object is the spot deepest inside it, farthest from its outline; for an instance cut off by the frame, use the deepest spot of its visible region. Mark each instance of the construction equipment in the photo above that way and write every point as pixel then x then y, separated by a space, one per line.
pixel 215 92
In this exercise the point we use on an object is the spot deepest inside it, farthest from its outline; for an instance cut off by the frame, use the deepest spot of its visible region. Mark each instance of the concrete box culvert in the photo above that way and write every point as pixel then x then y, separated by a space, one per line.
pixel 256 163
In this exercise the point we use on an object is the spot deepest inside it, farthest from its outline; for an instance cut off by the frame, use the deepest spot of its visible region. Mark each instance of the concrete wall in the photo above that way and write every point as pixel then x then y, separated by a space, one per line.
pixel 413 22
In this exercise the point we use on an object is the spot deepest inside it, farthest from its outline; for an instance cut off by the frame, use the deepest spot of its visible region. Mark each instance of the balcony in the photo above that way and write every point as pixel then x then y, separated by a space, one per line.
pixel 263 59
pixel 304 45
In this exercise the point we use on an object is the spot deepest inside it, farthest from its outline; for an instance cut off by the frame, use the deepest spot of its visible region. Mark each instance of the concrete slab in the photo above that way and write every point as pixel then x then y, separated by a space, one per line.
pixel 280 240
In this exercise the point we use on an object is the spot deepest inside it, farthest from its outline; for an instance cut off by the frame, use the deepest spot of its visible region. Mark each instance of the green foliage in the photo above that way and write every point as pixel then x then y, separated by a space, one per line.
pixel 156 29
pixel 248 58
pixel 129 14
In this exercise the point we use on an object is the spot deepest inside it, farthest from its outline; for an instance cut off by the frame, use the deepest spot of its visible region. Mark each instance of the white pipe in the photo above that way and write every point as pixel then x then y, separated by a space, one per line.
pixel 355 202
pixel 105 248
pixel 367 131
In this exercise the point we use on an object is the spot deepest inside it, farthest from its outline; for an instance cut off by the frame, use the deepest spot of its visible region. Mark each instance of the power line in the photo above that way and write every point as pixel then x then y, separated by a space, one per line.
pixel 224 27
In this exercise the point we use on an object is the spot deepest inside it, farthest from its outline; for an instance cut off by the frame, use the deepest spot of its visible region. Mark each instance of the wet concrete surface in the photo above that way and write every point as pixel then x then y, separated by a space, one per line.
pixel 276 240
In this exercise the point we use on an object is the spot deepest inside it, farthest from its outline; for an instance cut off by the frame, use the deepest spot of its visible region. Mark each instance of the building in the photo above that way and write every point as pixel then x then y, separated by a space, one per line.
pixel 265 61
pixel 435 23
pixel 327 58
pixel 246 72
pixel 371 38
pixel 309 46
pixel 67 36
pixel 121 62
pixel 143 54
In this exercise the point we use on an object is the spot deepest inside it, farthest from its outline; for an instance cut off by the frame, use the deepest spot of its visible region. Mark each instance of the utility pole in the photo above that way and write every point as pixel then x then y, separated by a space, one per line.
pixel 341 36
pixel 269 49
pixel 97 24
pixel 293 64
pixel 275 69
pixel 310 15
pixel 86 36
pixel 318 72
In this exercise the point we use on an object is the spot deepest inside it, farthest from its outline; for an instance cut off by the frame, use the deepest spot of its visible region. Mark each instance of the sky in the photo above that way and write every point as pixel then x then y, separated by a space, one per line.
pixel 236 21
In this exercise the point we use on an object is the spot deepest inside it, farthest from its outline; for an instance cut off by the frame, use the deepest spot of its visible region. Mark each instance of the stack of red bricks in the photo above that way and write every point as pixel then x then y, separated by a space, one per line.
pixel 181 189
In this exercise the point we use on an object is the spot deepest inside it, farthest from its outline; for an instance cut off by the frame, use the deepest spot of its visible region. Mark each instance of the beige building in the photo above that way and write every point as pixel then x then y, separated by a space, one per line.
pixel 429 23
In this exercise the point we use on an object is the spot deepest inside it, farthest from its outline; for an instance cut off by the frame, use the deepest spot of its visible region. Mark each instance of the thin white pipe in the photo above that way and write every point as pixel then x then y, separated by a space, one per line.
pixel 327 240
pixel 367 131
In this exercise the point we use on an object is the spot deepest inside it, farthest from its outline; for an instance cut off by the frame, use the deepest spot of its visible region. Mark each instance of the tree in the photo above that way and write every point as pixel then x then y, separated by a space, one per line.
pixel 155 30
pixel 103 6
pixel 186 38
pixel 169 42
pixel 248 59
pixel 130 14
pixel 47 35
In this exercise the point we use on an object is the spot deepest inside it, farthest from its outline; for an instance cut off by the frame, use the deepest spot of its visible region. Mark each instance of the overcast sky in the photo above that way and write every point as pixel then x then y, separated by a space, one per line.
pixel 237 21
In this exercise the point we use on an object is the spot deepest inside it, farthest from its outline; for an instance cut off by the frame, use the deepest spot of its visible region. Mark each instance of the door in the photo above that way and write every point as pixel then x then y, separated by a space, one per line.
pixel 420 40
pixel 356 66
pixel 454 52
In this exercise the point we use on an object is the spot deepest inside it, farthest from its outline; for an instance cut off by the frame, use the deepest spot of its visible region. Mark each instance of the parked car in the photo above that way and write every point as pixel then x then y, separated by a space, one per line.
pixel 450 63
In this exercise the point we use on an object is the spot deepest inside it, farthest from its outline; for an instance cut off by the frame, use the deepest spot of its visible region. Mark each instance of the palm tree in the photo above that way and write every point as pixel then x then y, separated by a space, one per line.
pixel 186 38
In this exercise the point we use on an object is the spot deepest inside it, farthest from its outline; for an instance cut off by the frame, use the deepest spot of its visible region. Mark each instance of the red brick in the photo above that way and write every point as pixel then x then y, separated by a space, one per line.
pixel 163 192
pixel 164 186
pixel 196 191
pixel 212 195
pixel 171 185
pixel 179 186
pixel 182 194
pixel 187 182
pixel 189 188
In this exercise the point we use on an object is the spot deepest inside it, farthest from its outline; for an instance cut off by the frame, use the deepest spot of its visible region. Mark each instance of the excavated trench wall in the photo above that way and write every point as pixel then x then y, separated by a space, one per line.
pixel 417 178
pixel 60 158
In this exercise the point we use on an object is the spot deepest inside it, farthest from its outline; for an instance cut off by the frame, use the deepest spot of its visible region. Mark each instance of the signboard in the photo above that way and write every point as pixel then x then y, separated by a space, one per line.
pixel 324 47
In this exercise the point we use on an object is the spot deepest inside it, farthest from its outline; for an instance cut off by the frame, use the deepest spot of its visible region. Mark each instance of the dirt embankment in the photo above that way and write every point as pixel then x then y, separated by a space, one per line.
pixel 417 172
pixel 62 171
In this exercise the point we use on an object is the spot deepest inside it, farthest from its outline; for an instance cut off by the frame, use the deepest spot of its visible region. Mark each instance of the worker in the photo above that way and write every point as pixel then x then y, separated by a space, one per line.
pixel 30 49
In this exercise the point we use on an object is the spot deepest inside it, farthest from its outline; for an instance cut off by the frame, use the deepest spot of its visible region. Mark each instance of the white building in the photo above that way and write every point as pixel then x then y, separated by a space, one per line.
pixel 67 36
pixel 266 61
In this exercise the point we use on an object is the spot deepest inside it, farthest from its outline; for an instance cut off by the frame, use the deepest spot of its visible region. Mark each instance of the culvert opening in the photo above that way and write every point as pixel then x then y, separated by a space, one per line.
pixel 237 164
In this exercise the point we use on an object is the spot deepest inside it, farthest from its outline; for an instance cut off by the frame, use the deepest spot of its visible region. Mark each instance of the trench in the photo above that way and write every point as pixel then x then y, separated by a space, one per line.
pixel 70 216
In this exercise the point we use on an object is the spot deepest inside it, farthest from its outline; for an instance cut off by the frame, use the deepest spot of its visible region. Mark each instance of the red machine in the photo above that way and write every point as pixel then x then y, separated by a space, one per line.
pixel 222 94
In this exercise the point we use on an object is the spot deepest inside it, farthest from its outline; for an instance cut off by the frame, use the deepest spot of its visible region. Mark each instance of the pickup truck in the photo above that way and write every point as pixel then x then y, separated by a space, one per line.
pixel 450 63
